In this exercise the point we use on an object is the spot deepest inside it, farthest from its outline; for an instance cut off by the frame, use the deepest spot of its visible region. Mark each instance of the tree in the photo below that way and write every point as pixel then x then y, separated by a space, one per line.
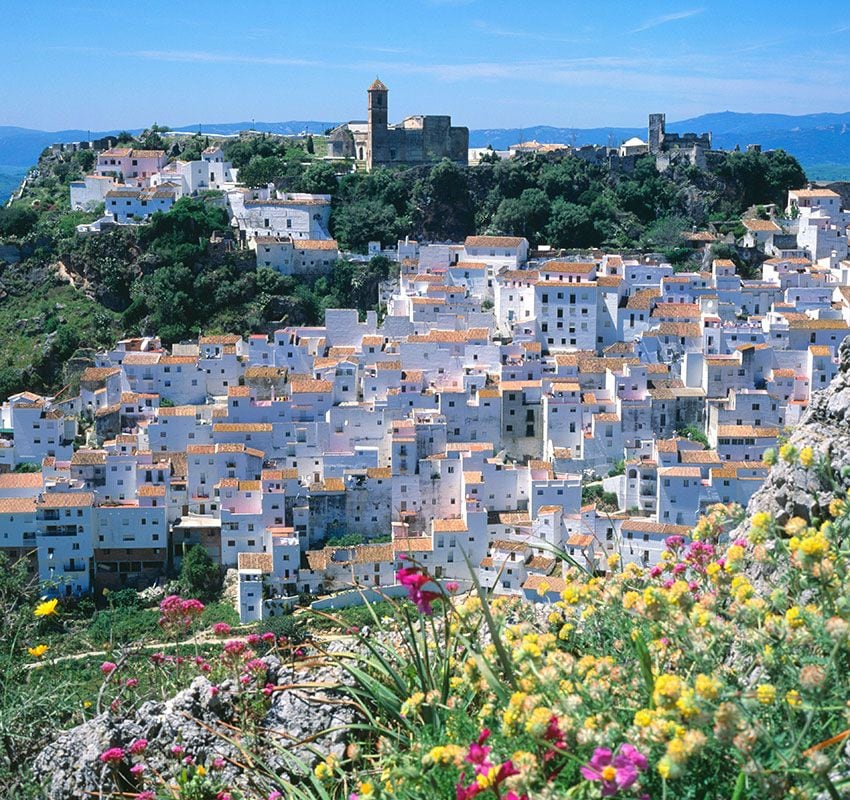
pixel 570 225
pixel 17 220
pixel 262 170
pixel 319 178
pixel 199 575
pixel 525 215
pixel 310 147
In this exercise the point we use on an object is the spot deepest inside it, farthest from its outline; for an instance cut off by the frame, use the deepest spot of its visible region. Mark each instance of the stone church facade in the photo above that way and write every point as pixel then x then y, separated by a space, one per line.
pixel 416 140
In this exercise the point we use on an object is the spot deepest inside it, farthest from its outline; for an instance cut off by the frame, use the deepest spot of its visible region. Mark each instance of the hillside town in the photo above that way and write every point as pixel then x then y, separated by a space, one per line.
pixel 506 406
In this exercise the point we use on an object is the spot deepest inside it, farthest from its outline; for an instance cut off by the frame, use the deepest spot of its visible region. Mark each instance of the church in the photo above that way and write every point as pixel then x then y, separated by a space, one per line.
pixel 416 140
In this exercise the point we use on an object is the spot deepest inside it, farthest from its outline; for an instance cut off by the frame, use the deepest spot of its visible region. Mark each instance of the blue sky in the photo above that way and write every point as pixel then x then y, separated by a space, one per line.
pixel 488 63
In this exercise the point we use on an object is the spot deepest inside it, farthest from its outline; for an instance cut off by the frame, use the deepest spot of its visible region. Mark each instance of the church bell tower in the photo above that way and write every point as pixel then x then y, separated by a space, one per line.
pixel 377 136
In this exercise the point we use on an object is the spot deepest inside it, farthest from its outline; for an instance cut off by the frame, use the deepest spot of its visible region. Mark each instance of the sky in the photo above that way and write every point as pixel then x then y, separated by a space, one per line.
pixel 103 65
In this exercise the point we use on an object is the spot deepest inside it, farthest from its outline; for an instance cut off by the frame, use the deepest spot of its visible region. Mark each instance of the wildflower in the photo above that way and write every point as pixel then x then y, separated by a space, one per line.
pixel 807 457
pixel 792 697
pixel 706 687
pixel 177 750
pixel 131 683
pixel 38 651
pixel 46 608
pixel 138 746
pixel 201 770
pixel 414 580
pixel 108 667
pixel 136 770
pixel 146 795
pixel 218 763
pixel 812 677
pixel 452 587
pixel 667 690
pixel 769 456
pixel 221 629
pixel 268 637
pixel 765 693
pixel 615 772
pixel 113 755
pixel 788 453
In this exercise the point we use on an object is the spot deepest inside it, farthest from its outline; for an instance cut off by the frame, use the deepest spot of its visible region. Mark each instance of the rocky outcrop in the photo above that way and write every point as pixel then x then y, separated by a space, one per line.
pixel 306 723
pixel 790 490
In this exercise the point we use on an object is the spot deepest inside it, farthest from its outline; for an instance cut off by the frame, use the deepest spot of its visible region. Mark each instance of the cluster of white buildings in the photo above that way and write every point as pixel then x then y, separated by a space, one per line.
pixel 289 231
pixel 460 429
pixel 133 184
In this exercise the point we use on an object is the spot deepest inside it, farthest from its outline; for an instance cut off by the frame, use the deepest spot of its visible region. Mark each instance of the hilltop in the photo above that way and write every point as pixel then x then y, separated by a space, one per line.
pixel 820 142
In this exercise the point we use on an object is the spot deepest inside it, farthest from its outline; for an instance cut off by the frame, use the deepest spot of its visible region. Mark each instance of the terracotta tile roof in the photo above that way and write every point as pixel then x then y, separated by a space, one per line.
pixel 20 480
pixel 449 526
pixel 548 583
pixel 813 193
pixel 141 359
pixel 279 474
pixel 220 338
pixel 311 386
pixel 98 374
pixel 177 411
pixel 679 472
pixel 315 244
pixel 639 525
pixel 747 431
pixel 382 473
pixel 413 544
pixel 493 241
pixel 509 546
pixel 580 540
pixel 88 458
pixel 149 490
pixel 568 267
pixel 65 499
pixel 17 505
pixel 766 225
pixel 677 310
pixel 642 299
pixel 259 561
pixel 242 427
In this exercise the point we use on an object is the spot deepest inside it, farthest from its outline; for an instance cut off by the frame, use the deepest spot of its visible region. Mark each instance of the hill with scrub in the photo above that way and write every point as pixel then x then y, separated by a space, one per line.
pixel 65 294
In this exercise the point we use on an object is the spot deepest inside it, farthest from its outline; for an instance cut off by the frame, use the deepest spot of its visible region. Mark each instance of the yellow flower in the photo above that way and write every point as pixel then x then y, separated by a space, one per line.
pixel 793 698
pixel 761 519
pixel 793 618
pixel 807 457
pixel 795 526
pixel 643 718
pixel 667 690
pixel 613 561
pixel 201 770
pixel 46 608
pixel 38 651
pixel 367 790
pixel 706 687
pixel 769 456
pixel 836 506
pixel 87 703
pixel 765 693
pixel 788 453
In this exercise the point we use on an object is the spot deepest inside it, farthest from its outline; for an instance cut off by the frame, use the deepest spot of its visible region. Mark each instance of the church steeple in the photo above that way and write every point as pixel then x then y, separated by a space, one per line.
pixel 378 96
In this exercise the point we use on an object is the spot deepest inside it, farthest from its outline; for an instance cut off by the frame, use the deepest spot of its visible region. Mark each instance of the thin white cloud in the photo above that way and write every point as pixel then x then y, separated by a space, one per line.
pixel 665 18
pixel 515 33
pixel 203 57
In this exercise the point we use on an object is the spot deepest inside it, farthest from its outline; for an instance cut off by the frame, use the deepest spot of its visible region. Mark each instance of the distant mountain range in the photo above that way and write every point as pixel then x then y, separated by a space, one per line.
pixel 821 142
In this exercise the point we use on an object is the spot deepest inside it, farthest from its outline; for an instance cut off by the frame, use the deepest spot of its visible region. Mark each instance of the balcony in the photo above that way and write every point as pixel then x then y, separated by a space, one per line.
pixel 58 530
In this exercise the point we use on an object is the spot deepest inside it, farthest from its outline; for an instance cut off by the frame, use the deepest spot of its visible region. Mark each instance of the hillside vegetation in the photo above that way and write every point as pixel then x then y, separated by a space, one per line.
pixel 68 292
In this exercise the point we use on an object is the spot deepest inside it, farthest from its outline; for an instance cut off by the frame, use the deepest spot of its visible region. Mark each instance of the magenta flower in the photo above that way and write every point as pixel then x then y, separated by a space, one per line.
pixel 149 794
pixel 452 587
pixel 268 637
pixel 414 580
pixel 221 629
pixel 136 770
pixel 218 763
pixel 113 755
pixel 138 746
pixel 108 667
pixel 177 750
pixel 131 683
pixel 615 772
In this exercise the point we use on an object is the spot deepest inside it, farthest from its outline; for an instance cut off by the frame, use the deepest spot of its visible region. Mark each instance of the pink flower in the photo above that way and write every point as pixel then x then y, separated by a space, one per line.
pixel 268 689
pixel 179 613
pixel 138 746
pixel 414 580
pixel 614 772
pixel 275 795
pixel 157 658
pixel 108 667
pixel 113 755
pixel 146 795
pixel 268 637
pixel 131 683
pixel 234 647
pixel 218 762
pixel 452 587
pixel 137 769
pixel 115 705
pixel 221 629
pixel 177 750
pixel 256 665
pixel 214 690
pixel 253 639
pixel 224 796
